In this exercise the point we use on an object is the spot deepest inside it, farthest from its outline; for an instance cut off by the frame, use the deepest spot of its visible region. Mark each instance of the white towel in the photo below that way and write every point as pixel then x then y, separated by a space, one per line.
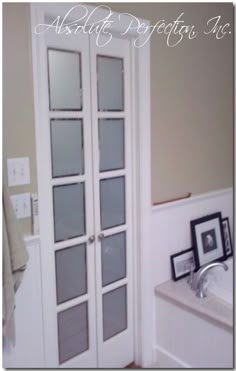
pixel 15 257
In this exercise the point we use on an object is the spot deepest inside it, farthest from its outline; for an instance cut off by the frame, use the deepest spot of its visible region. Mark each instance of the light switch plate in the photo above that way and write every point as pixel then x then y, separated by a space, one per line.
pixel 18 171
pixel 21 205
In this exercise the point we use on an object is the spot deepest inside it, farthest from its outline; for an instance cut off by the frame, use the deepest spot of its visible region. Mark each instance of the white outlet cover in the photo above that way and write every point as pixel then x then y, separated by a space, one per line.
pixel 18 171
pixel 21 205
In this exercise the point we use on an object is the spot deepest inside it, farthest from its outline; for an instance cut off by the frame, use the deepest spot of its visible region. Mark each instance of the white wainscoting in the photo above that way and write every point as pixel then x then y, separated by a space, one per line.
pixel 171 234
pixel 171 227
pixel 28 351
pixel 186 340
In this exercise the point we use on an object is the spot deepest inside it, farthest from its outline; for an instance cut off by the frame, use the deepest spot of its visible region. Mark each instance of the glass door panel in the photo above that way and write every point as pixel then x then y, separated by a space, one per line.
pixel 67 147
pixel 73 337
pixel 69 211
pixel 65 83
pixel 110 83
pixel 112 202
pixel 71 272
pixel 113 258
pixel 114 312
pixel 111 144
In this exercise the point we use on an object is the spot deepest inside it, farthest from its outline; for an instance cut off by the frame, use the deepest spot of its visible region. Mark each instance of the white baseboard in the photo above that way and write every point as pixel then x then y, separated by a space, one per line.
pixel 164 359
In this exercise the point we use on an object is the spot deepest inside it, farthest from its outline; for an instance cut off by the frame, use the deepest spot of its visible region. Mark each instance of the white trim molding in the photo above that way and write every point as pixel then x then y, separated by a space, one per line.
pixel 164 359
pixel 194 199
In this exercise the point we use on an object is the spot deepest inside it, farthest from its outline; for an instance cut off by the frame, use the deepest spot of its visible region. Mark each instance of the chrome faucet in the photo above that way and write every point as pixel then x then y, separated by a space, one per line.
pixel 200 277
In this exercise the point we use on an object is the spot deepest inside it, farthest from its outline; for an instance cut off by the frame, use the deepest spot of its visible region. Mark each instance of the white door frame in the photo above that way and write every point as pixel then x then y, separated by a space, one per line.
pixel 140 58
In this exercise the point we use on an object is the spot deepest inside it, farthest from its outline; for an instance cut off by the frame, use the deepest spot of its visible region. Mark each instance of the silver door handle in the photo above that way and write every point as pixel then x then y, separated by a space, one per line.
pixel 91 239
pixel 100 236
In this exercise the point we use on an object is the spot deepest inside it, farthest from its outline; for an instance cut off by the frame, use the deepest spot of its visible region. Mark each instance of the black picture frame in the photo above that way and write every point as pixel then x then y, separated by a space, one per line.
pixel 227 237
pixel 181 263
pixel 208 239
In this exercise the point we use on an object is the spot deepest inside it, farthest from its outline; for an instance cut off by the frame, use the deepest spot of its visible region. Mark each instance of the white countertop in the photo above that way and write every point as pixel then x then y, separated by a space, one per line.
pixel 210 308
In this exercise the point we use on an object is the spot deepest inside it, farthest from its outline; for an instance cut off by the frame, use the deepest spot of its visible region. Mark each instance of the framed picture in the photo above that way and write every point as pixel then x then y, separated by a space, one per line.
pixel 208 239
pixel 227 237
pixel 181 263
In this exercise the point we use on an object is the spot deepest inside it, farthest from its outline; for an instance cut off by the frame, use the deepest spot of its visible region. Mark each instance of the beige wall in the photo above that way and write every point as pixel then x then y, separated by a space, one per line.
pixel 192 102
pixel 191 99
pixel 18 110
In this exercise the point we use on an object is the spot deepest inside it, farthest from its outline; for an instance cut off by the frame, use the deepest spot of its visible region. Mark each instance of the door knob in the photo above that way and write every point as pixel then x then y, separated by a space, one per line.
pixel 91 239
pixel 101 236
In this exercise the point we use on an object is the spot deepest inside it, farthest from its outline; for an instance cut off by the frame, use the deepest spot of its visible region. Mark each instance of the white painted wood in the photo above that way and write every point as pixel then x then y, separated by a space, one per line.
pixel 113 173
pixel 68 180
pixel 28 351
pixel 70 303
pixel 141 191
pixel 119 350
pixel 142 210
pixel 184 339
pixel 40 44
pixel 165 359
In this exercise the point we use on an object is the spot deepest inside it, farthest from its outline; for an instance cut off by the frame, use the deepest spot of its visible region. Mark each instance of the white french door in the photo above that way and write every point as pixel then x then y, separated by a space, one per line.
pixel 110 71
pixel 86 201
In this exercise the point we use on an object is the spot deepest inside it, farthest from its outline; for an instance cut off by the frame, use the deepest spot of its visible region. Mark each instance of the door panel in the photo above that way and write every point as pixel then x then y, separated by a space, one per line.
pixel 73 332
pixel 110 83
pixel 114 305
pixel 71 335
pixel 64 75
pixel 113 255
pixel 71 272
pixel 112 202
pixel 67 147
pixel 87 244
pixel 69 211
pixel 111 144
pixel 112 189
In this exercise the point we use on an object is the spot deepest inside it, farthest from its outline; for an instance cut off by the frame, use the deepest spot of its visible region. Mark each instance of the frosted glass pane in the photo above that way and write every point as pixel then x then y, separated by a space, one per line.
pixel 67 147
pixel 64 80
pixel 111 144
pixel 113 258
pixel 73 337
pixel 110 84
pixel 71 273
pixel 69 211
pixel 114 312
pixel 112 201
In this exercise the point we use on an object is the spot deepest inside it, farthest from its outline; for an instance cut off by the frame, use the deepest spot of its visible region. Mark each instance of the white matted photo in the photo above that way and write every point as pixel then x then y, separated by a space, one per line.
pixel 182 263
